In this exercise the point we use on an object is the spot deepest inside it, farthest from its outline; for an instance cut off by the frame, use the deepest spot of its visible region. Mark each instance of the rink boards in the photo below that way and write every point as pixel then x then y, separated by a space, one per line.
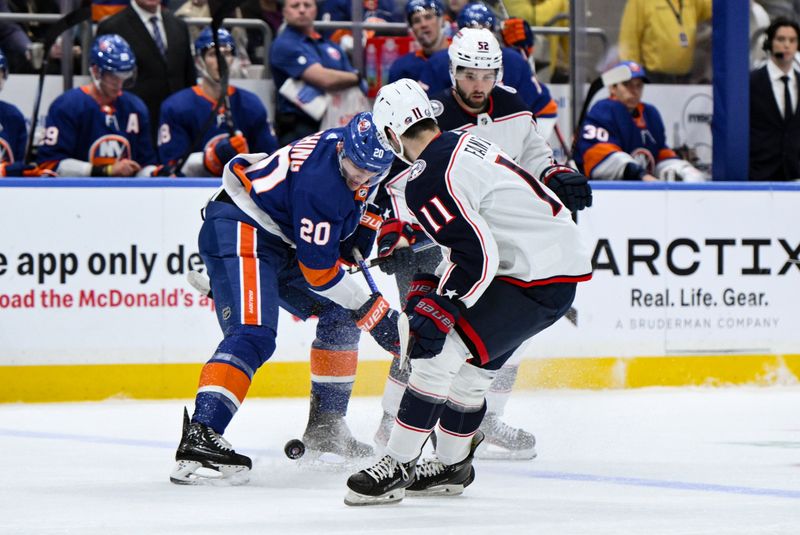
pixel 693 285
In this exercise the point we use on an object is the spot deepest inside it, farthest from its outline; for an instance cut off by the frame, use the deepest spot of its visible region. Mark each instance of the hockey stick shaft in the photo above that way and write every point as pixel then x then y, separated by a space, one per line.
pixel 416 248
pixel 224 99
pixel 365 270
pixel 82 13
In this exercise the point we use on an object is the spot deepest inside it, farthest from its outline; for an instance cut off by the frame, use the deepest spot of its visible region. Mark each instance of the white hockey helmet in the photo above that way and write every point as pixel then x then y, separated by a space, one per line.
pixel 475 48
pixel 398 106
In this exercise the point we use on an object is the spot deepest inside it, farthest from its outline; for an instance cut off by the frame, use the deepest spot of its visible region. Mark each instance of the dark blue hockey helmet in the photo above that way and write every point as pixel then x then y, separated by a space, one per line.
pixel 414 6
pixel 362 147
pixel 476 16
pixel 205 41
pixel 111 53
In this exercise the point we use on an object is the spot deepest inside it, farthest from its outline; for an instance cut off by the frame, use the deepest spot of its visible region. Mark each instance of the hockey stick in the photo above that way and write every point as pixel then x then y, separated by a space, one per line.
pixel 78 15
pixel 222 64
pixel 596 85
pixel 218 15
pixel 295 448
pixel 416 248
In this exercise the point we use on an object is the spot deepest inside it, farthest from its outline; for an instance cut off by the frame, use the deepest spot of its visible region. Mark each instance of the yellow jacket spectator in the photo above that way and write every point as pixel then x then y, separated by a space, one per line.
pixel 661 36
pixel 540 13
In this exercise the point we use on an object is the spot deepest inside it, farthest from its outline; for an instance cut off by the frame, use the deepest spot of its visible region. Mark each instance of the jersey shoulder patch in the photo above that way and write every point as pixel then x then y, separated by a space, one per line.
pixel 437 107
pixel 506 88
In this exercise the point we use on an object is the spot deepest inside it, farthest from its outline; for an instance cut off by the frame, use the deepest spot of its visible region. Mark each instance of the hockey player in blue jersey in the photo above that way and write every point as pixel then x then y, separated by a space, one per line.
pixel 13 136
pixel 477 104
pixel 513 258
pixel 435 75
pixel 623 138
pixel 276 234
pixel 185 114
pixel 425 20
pixel 99 129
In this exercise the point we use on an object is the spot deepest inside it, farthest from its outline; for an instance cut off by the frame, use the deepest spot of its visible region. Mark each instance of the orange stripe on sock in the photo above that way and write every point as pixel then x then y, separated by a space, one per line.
pixel 229 377
pixel 249 275
pixel 328 363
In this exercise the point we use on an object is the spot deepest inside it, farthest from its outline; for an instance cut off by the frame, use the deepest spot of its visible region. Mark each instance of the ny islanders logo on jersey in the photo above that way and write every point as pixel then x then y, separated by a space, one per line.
pixel 334 54
pixel 109 149
pixel 645 158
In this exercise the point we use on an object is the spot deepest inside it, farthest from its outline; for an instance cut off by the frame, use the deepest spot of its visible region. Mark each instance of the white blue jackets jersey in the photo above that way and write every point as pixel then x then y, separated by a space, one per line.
pixel 184 114
pixel 299 195
pixel 80 134
pixel 611 137
pixel 13 133
pixel 507 122
pixel 492 218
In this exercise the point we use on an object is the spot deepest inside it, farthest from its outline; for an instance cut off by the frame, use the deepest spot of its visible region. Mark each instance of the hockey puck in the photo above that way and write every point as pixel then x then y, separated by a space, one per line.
pixel 294 449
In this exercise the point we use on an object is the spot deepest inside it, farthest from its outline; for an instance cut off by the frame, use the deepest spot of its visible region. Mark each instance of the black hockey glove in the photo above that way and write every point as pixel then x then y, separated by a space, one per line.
pixel 421 285
pixel 363 237
pixel 434 316
pixel 392 231
pixel 378 319
pixel 572 188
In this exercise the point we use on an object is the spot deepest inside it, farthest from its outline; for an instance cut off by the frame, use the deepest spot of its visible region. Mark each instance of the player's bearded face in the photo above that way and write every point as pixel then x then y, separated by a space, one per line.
pixel 354 176
pixel 474 86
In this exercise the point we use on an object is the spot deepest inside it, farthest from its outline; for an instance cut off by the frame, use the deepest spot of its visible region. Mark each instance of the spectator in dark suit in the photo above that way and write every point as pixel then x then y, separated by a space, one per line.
pixel 774 121
pixel 160 42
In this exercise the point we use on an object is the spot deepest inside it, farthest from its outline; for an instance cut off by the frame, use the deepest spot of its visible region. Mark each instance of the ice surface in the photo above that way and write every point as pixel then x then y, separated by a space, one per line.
pixel 650 461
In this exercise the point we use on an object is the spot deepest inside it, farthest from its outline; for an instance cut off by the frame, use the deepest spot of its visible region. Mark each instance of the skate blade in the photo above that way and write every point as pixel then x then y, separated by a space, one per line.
pixel 438 490
pixel 356 499
pixel 194 473
pixel 492 452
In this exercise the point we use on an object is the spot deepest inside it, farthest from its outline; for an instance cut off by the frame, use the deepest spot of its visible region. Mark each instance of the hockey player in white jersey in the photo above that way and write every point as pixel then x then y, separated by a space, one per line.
pixel 478 104
pixel 512 261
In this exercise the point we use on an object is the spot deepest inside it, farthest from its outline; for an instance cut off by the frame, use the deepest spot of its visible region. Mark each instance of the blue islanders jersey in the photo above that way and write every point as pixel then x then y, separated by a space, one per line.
pixel 517 74
pixel 183 115
pixel 13 133
pixel 77 127
pixel 293 52
pixel 342 10
pixel 299 195
pixel 610 130
pixel 407 66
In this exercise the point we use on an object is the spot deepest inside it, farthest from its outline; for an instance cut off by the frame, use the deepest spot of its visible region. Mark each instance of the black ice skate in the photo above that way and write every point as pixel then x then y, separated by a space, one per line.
pixel 382 483
pixel 433 478
pixel 505 442
pixel 204 456
pixel 327 432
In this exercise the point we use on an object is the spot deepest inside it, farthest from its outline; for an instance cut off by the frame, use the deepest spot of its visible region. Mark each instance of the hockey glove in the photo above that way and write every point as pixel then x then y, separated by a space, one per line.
pixel 434 316
pixel 421 285
pixel 25 170
pixel 517 33
pixel 216 155
pixel 378 319
pixel 572 188
pixel 393 232
pixel 363 237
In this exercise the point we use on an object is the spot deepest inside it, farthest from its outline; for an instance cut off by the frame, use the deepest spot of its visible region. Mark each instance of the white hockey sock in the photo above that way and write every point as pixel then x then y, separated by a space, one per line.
pixel 406 443
pixel 392 395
